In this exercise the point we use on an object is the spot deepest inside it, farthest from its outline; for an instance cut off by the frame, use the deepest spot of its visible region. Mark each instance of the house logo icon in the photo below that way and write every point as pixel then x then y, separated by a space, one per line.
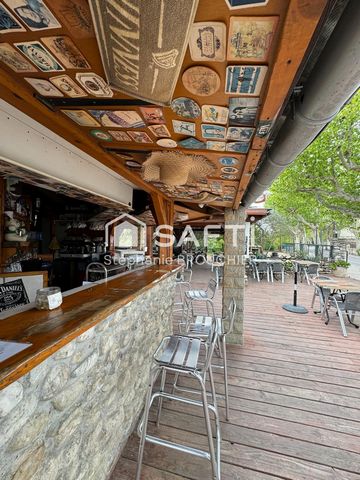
pixel 124 222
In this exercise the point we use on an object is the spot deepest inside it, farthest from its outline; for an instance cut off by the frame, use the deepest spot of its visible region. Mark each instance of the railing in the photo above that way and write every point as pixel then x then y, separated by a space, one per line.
pixel 315 251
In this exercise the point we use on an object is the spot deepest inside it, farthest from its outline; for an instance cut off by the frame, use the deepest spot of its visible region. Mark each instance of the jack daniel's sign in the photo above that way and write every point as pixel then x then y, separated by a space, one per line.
pixel 12 295
pixel 143 43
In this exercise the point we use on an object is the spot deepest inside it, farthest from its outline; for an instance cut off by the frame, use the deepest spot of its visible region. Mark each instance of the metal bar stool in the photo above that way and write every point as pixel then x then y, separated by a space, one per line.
pixel 183 283
pixel 192 296
pixel 180 355
pixel 201 328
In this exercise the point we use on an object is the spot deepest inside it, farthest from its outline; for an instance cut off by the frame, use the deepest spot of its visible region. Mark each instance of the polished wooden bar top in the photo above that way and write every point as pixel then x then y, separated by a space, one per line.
pixel 48 331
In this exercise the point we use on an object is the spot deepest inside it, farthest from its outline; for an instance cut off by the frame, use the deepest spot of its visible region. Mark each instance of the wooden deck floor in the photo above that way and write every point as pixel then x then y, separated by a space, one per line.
pixel 295 401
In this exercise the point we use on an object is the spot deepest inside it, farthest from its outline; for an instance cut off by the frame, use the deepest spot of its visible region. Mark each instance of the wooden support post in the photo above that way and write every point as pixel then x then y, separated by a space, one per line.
pixel 149 240
pixel 163 211
pixel 234 269
pixel 2 220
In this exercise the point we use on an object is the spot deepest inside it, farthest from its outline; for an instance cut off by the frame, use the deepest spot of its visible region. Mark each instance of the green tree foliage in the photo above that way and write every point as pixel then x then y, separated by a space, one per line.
pixel 216 245
pixel 321 188
pixel 274 230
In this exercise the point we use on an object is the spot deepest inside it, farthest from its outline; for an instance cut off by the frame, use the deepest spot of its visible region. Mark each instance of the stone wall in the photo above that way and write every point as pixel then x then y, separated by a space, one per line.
pixel 234 269
pixel 69 418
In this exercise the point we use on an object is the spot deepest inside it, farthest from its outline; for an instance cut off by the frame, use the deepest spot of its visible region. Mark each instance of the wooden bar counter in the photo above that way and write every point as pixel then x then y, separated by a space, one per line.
pixel 48 331
pixel 70 400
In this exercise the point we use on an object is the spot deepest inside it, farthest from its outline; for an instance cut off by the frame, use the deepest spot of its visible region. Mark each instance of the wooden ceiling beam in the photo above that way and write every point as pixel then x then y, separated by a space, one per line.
pixel 21 98
pixel 192 207
pixel 191 220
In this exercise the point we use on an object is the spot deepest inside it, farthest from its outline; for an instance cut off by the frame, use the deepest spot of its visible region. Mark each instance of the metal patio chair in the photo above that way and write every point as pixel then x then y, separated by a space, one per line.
pixel 277 268
pixel 260 269
pixel 180 355
pixel 311 271
pixel 349 305
pixel 320 292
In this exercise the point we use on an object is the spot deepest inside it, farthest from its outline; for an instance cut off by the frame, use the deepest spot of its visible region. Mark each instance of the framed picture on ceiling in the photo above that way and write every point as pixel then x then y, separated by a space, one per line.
pixel 236 4
pixel 243 111
pixel 245 79
pixel 250 38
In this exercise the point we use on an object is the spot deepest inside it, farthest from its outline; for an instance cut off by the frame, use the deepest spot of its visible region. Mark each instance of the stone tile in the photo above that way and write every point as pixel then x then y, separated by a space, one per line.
pixel 10 397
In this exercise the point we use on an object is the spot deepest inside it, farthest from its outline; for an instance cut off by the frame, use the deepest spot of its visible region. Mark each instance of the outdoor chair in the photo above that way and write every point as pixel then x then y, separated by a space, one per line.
pixel 216 258
pixel 321 293
pixel 348 305
pixel 249 268
pixel 180 355
pixel 311 271
pixel 277 268
pixel 197 296
pixel 201 328
pixel 189 260
pixel 183 284
pixel 260 269
pixel 219 274
pixel 184 275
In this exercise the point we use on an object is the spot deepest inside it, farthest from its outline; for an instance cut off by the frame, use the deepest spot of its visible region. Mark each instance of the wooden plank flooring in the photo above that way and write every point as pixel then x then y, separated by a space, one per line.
pixel 295 400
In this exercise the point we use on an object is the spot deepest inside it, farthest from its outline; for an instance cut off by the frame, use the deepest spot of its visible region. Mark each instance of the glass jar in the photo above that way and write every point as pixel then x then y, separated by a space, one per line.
pixel 48 298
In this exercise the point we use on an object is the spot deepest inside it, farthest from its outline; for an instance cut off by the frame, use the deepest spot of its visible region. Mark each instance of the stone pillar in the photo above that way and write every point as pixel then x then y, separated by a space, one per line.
pixel 234 269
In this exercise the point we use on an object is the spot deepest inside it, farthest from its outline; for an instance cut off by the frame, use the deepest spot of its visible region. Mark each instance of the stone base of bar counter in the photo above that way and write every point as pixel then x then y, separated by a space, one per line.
pixel 70 416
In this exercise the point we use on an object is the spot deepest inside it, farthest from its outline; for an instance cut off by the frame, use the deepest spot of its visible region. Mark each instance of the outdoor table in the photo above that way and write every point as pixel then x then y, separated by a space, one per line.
pixel 304 263
pixel 267 260
pixel 301 266
pixel 336 285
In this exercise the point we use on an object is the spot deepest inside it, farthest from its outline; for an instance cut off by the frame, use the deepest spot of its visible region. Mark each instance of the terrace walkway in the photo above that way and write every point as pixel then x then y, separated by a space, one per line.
pixel 295 401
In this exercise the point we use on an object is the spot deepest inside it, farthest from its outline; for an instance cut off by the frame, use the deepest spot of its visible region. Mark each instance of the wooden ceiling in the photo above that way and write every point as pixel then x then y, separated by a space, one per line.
pixel 297 23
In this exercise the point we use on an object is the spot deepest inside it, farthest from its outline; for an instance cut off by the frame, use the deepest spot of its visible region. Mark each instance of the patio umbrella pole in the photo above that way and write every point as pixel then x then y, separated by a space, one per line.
pixel 294 307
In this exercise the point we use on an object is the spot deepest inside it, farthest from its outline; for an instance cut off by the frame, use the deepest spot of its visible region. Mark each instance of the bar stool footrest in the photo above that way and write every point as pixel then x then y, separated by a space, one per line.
pixel 178 446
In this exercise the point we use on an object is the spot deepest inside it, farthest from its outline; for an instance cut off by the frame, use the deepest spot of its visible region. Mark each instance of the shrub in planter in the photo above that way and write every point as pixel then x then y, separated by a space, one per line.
pixel 340 267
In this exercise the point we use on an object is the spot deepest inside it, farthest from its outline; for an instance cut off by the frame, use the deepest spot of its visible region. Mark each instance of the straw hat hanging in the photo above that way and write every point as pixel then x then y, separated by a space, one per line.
pixel 175 168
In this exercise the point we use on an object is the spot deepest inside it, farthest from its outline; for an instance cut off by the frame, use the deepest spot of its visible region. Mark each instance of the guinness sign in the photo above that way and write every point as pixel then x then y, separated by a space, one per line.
pixel 143 43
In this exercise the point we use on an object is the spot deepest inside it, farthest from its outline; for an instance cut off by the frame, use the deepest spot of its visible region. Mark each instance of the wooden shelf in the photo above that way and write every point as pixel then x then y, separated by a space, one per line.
pixel 8 244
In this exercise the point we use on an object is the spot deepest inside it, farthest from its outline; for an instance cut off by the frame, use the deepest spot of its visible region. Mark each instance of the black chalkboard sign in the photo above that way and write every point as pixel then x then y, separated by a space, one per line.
pixel 12 295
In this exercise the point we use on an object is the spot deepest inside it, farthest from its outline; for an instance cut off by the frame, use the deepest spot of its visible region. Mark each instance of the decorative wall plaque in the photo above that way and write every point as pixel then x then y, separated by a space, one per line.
pixel 44 87
pixel 214 114
pixel 243 111
pixel 245 79
pixel 250 38
pixel 143 44
pixel 185 107
pixel 207 42
pixel 202 81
